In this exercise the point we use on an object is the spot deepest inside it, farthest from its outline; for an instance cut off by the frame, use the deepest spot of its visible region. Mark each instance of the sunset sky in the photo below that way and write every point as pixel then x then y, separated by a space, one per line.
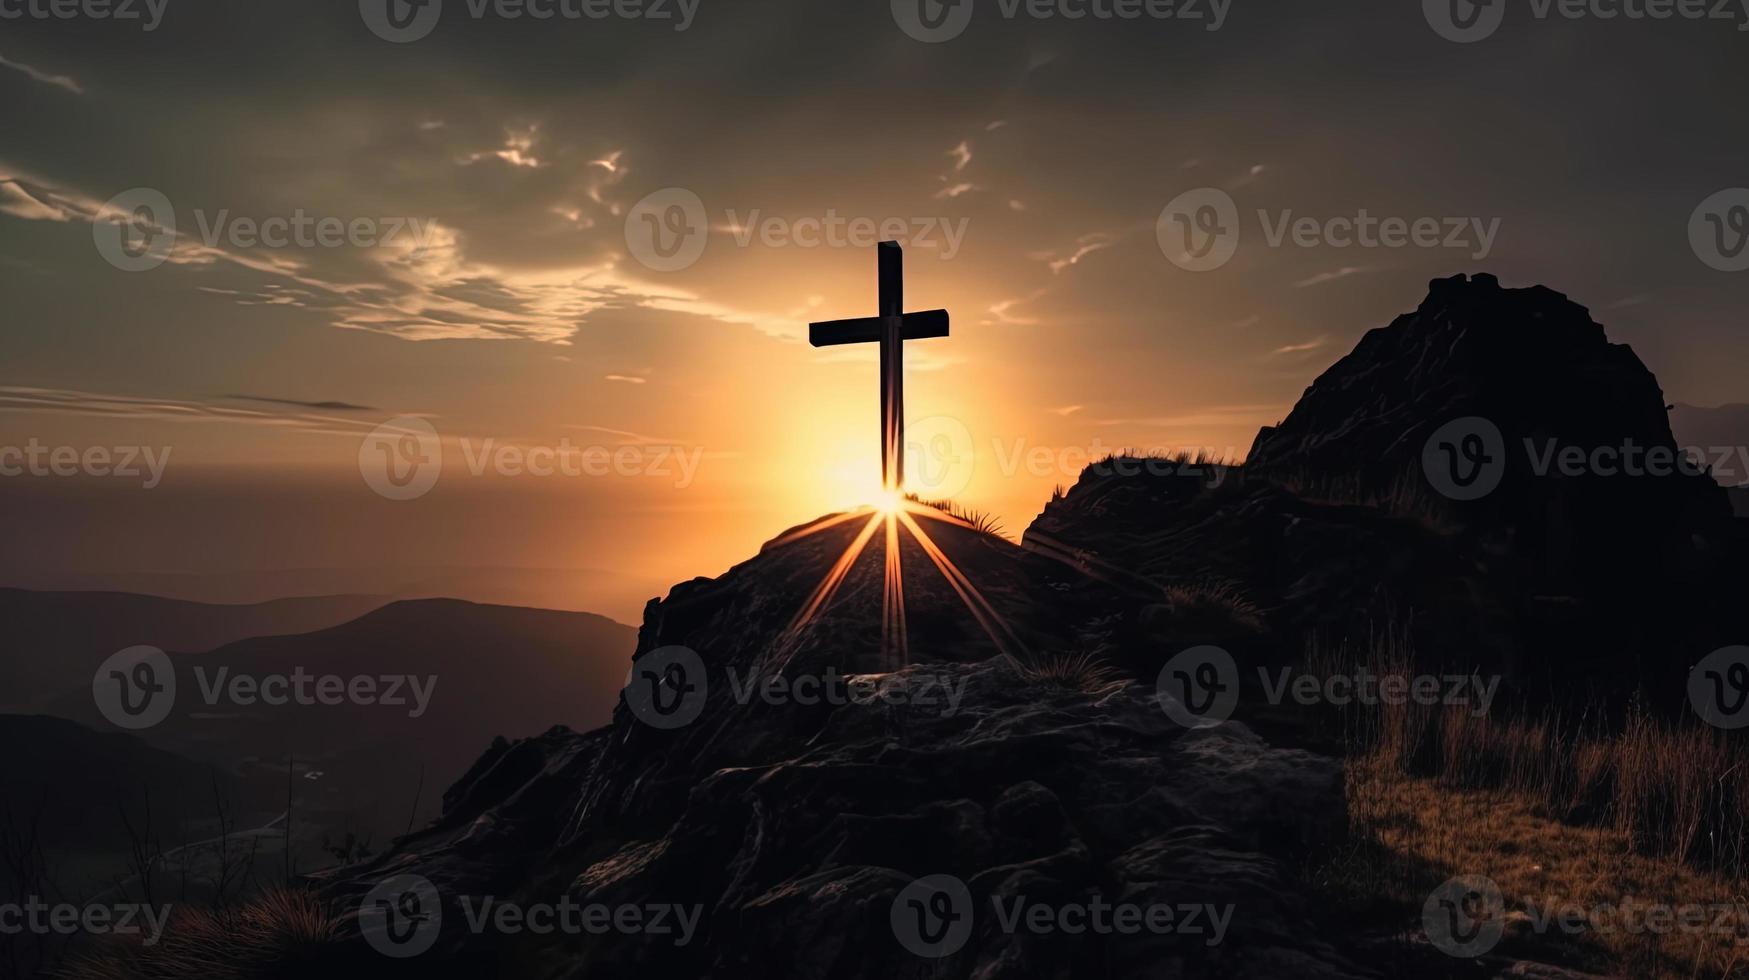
pixel 520 147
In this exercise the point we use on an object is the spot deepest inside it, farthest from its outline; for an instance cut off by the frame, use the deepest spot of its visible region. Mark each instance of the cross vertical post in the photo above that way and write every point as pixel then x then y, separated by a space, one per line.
pixel 890 327
pixel 892 306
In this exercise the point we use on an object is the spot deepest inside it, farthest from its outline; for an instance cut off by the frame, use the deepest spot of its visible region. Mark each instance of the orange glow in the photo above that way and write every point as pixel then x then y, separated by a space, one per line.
pixel 894 645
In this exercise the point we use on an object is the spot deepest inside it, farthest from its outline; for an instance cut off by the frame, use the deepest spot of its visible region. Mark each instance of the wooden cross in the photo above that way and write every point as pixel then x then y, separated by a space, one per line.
pixel 890 328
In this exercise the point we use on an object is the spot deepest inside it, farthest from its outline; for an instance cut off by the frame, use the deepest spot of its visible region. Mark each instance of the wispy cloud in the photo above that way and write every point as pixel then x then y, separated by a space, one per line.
pixel 61 401
pixel 518 150
pixel 1250 175
pixel 999 311
pixel 629 438
pixel 624 379
pixel 18 201
pixel 67 82
pixel 1067 410
pixel 1324 277
pixel 417 287
pixel 1309 345
pixel 1084 246
pixel 320 406
pixel 962 155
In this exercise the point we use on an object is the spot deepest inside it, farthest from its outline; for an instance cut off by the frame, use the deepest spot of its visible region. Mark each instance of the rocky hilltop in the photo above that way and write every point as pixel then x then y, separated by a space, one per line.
pixel 781 781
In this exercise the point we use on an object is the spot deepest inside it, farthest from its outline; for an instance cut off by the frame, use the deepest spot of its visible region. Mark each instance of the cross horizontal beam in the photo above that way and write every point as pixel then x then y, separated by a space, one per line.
pixel 867 330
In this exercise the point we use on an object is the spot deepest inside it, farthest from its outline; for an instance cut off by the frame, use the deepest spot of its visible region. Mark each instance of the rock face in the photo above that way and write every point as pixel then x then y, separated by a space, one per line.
pixel 795 857
pixel 1547 386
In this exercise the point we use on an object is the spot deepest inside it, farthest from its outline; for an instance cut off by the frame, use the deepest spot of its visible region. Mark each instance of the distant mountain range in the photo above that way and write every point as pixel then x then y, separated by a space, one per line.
pixel 571 589
pixel 53 641
pixel 485 671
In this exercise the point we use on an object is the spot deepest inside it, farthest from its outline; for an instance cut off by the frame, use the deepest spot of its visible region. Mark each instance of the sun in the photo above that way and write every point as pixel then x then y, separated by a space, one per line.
pixel 888 501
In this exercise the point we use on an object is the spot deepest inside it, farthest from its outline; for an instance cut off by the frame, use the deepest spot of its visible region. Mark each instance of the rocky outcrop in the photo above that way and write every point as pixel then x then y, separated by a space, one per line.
pixel 1587 583
pixel 1542 418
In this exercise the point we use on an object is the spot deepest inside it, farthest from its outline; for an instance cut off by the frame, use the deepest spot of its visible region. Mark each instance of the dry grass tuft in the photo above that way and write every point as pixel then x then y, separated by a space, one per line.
pixel 1221 601
pixel 281 933
pixel 981 521
pixel 1088 673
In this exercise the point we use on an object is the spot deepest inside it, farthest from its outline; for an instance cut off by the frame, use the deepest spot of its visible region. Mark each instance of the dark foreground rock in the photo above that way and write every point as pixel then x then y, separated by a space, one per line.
pixel 794 857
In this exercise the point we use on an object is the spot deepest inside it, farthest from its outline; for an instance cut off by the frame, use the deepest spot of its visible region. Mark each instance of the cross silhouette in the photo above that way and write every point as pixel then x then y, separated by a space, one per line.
pixel 890 328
